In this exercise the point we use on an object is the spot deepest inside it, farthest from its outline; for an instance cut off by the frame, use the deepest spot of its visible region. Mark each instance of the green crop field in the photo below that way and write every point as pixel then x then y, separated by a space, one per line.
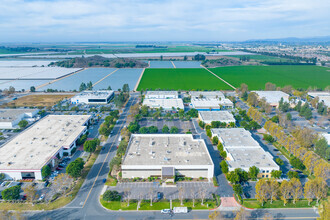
pixel 181 79
pixel 257 76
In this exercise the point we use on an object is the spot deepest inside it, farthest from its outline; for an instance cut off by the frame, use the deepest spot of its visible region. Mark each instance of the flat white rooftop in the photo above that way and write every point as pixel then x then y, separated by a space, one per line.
pixel 222 116
pixel 162 94
pixel 273 97
pixel 207 94
pixel 327 137
pixel 25 63
pixel 166 149
pixel 247 157
pixel 164 103
pixel 35 146
pixel 323 96
pixel 9 115
pixel 235 137
pixel 100 94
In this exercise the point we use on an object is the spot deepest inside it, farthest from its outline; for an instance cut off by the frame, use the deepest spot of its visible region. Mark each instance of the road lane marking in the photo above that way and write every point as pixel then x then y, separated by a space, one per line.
pixel 97 176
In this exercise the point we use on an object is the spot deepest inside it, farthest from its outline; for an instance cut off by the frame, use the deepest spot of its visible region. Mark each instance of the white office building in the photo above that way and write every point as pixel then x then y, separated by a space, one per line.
pixel 162 95
pixel 93 97
pixel 9 118
pixel 209 101
pixel 223 116
pixel 166 104
pixel 244 152
pixel 42 144
pixel 166 155
pixel 273 97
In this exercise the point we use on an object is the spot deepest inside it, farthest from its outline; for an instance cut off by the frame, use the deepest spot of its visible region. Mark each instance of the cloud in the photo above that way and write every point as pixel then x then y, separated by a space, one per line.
pixel 93 20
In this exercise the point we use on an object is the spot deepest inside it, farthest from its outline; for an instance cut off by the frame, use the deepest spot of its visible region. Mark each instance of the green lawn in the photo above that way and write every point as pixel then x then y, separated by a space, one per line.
pixel 164 204
pixel 180 79
pixel 257 76
pixel 253 203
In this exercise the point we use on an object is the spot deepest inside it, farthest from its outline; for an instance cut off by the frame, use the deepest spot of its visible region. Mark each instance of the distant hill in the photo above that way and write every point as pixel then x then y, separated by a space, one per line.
pixel 99 61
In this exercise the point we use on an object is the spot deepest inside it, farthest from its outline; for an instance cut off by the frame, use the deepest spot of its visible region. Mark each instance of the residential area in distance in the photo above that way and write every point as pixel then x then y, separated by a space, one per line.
pixel 147 110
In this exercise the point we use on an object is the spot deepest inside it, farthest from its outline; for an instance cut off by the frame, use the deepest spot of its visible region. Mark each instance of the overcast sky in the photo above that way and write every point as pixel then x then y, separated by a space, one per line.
pixel 161 20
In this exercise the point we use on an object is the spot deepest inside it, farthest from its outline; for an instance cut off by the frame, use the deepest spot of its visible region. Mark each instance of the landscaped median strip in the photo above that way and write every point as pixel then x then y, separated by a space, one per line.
pixel 219 77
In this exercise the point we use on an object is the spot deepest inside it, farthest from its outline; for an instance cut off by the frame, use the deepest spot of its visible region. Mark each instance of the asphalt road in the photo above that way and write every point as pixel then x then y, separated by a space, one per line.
pixel 86 205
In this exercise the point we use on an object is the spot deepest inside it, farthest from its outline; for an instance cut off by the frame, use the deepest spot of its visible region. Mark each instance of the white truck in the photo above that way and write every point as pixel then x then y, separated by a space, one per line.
pixel 177 210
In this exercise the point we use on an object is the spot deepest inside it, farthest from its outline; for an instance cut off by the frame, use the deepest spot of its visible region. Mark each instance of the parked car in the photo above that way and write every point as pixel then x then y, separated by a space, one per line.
pixel 46 183
pixel 166 211
pixel 159 195
pixel 41 197
pixel 58 168
pixel 34 184
pixel 104 180
pixel 178 210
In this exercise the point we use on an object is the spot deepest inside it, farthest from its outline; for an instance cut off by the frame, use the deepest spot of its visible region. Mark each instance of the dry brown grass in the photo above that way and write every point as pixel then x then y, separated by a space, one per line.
pixel 37 100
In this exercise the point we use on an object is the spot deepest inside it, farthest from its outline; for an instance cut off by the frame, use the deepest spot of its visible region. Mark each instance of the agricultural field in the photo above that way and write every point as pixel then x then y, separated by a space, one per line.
pixel 37 100
pixel 181 79
pixel 257 76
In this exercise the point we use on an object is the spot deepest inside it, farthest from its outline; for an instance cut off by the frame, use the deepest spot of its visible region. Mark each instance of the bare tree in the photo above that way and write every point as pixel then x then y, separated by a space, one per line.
pixel 151 195
pixel 140 200
pixel 193 196
pixel 181 194
pixel 241 214
pixel 202 194
pixel 62 182
pixel 30 192
pixel 216 215
pixel 127 195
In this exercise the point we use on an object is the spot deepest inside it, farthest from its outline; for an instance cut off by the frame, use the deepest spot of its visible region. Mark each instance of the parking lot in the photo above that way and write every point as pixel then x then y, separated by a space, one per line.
pixel 143 189
pixel 183 126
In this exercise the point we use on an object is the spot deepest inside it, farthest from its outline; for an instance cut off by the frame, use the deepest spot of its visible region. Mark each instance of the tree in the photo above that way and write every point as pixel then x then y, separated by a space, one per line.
pixel 297 163
pixel 252 99
pixel 279 161
pixel 276 174
pixel 224 167
pixel 127 195
pixel 75 167
pixel 292 174
pixel 181 194
pixel 151 194
pixel 296 189
pixel 270 87
pixel 223 154
pixel 23 123
pixel 165 129
pixel 201 124
pixel 273 189
pixel 253 172
pixel 202 194
pixel 46 171
pixel 111 195
pixel 30 193
pixel 324 210
pixel 238 189
pixel 174 130
pixel 144 130
pixel 90 145
pixel 193 196
pixel 208 133
pixel 32 89
pixel 286 189
pixel 309 191
pixel 321 147
pixel 215 140
pixel 199 57
pixel 12 193
pixel 241 214
pixel 262 191
pixel 82 87
pixel 320 188
pixel 2 176
pixel 233 177
pixel 288 116
pixel 126 88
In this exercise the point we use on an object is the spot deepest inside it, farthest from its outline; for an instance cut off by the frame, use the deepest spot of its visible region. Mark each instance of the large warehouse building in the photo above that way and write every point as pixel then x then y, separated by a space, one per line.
pixel 223 116
pixel 244 152
pixel 166 155
pixel 9 118
pixel 93 97
pixel 166 104
pixel 272 97
pixel 210 101
pixel 162 95
pixel 43 143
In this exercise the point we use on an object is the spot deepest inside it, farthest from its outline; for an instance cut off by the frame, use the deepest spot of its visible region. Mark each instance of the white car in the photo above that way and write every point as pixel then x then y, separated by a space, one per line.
pixel 166 211
pixel 41 197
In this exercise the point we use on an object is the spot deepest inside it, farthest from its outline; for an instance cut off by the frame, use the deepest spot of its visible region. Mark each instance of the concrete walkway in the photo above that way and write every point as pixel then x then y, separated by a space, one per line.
pixel 228 204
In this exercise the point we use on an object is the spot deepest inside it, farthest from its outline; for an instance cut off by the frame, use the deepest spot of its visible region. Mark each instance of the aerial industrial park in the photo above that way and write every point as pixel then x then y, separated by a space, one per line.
pixel 107 121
